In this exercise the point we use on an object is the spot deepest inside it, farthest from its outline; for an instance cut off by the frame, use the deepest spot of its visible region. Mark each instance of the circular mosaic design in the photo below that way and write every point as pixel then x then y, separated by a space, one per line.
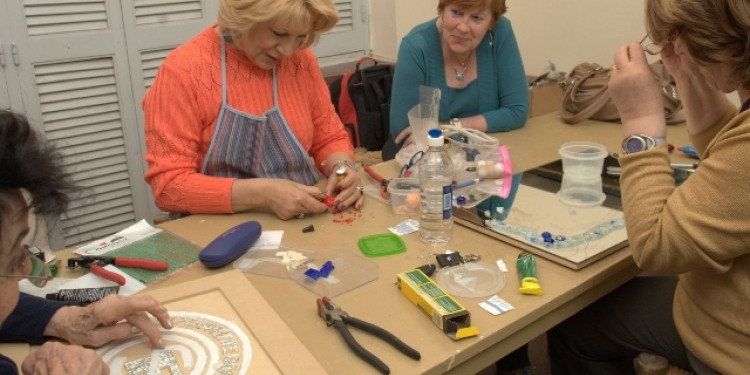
pixel 197 344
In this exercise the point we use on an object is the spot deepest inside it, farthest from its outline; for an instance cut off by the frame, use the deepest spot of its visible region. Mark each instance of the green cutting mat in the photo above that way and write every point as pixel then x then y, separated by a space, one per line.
pixel 165 246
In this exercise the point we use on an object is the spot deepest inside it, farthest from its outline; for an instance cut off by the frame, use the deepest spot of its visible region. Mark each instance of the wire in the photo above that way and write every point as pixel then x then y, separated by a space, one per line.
pixel 479 137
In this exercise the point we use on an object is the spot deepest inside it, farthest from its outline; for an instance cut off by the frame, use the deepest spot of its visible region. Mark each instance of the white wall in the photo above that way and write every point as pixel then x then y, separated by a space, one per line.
pixel 565 32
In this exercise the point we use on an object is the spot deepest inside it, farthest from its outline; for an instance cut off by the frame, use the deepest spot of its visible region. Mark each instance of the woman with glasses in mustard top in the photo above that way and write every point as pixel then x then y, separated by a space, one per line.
pixel 694 236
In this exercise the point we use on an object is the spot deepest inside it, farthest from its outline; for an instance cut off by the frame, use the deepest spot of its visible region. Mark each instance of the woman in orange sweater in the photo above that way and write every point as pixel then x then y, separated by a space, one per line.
pixel 239 117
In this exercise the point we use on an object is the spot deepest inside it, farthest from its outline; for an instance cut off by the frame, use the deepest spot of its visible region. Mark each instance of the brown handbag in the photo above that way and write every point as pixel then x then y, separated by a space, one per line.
pixel 585 94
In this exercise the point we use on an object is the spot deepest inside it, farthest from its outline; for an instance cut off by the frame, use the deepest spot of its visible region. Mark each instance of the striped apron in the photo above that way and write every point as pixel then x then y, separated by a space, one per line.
pixel 246 146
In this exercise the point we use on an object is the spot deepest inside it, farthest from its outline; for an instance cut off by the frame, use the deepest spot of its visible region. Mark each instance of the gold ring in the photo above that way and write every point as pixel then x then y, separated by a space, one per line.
pixel 301 215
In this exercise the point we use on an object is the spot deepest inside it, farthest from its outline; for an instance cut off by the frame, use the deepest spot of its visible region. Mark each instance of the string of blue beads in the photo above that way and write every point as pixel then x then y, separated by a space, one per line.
pixel 557 241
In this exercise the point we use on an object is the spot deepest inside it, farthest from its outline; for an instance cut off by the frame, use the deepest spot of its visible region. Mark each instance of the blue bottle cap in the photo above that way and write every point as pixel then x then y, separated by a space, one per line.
pixel 434 133
pixel 435 137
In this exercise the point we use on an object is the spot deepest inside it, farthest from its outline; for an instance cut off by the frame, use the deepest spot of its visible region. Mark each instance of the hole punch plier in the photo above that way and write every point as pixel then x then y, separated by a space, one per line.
pixel 380 180
pixel 96 265
pixel 334 316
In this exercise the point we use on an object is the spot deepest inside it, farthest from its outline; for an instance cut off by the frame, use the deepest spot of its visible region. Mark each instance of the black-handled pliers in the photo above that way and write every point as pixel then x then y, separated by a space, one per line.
pixel 334 316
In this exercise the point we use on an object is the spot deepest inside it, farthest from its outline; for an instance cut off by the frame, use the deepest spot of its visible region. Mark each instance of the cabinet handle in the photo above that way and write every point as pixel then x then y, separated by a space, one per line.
pixel 14 52
pixel 2 55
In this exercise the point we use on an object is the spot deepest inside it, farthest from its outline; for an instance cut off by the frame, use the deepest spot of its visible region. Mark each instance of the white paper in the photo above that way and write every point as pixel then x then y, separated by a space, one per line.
pixel 496 305
pixel 133 233
pixel 268 240
pixel 501 265
pixel 405 227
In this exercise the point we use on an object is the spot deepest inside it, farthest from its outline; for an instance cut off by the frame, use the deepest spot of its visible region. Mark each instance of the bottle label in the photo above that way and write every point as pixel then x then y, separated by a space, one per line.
pixel 447 202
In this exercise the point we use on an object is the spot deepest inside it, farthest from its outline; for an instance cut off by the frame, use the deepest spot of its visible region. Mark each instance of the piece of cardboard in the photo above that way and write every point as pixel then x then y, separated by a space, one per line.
pixel 545 99
pixel 538 209
pixel 229 296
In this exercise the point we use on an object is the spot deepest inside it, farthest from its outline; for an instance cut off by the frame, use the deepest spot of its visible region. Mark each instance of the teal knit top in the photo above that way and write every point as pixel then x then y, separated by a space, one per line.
pixel 500 92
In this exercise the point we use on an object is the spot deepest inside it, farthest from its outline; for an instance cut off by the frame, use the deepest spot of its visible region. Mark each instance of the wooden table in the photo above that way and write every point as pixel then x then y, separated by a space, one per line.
pixel 380 302
pixel 565 291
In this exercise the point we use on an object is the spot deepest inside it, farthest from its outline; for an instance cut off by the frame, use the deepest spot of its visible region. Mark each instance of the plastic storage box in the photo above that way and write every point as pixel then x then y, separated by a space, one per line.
pixel 404 194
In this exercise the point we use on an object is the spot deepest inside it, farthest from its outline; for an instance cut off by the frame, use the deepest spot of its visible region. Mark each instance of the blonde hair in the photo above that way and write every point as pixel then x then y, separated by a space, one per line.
pixel 497 7
pixel 716 31
pixel 238 17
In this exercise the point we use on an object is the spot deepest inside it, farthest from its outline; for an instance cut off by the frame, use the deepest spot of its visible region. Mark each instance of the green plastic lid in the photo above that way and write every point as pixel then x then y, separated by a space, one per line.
pixel 381 244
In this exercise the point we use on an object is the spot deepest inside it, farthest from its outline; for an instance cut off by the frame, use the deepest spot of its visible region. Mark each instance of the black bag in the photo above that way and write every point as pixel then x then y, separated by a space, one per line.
pixel 362 99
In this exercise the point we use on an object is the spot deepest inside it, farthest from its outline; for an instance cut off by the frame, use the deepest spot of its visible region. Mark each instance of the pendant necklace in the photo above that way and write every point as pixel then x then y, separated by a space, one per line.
pixel 464 66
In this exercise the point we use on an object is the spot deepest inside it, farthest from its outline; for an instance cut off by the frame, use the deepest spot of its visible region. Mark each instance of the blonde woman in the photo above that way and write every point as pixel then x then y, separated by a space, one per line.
pixel 239 117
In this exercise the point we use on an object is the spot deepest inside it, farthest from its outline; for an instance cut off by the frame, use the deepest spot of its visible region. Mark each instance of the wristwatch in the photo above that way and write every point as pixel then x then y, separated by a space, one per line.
pixel 456 122
pixel 640 142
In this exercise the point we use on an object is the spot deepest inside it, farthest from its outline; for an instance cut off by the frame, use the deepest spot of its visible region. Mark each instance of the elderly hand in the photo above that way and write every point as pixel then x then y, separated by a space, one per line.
pixel 60 359
pixel 636 93
pixel 115 317
pixel 349 190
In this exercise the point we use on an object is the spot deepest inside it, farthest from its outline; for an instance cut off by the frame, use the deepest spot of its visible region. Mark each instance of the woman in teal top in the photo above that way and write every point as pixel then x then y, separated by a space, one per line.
pixel 470 53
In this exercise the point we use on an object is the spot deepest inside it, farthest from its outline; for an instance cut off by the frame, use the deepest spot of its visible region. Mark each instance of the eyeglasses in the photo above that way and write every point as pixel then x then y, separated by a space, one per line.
pixel 405 172
pixel 649 46
pixel 32 268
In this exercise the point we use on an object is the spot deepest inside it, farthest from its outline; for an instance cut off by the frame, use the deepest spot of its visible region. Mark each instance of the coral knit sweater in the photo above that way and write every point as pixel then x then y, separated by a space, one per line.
pixel 182 106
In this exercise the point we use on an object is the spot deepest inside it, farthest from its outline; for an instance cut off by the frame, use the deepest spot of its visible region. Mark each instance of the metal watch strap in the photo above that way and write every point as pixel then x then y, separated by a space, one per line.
pixel 344 163
pixel 644 142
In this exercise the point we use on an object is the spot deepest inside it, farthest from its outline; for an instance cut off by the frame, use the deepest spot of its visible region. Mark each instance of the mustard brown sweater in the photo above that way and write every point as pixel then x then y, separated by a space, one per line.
pixel 701 232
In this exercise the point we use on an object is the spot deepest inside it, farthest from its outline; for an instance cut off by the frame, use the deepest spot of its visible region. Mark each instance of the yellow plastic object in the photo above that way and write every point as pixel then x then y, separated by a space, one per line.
pixel 526 264
pixel 452 318
pixel 530 285
pixel 467 332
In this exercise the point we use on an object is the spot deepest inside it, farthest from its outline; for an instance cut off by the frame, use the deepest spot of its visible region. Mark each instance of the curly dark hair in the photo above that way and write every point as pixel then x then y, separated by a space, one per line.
pixel 27 163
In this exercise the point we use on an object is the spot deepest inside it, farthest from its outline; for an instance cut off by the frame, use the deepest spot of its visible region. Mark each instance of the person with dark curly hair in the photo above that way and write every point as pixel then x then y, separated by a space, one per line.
pixel 31 168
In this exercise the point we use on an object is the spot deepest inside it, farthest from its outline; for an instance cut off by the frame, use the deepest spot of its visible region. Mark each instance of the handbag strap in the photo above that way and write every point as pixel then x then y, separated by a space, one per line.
pixel 601 97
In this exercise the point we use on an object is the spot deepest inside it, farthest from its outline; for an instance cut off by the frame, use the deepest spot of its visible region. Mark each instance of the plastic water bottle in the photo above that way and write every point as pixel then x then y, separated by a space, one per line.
pixel 436 192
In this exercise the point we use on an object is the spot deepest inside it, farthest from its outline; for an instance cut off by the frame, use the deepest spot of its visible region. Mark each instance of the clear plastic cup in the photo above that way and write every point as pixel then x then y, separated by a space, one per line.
pixel 582 173
pixel 422 117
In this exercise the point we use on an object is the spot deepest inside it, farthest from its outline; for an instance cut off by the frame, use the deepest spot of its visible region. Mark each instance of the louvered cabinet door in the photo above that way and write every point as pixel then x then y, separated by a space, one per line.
pixel 4 93
pixel 4 86
pixel 7 69
pixel 153 28
pixel 77 86
pixel 350 36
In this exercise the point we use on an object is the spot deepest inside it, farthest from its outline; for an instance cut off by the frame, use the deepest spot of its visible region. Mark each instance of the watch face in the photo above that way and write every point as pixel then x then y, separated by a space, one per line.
pixel 634 144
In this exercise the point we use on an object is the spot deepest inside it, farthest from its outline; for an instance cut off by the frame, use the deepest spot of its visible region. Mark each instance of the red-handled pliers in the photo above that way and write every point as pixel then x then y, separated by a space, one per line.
pixel 96 265
pixel 381 180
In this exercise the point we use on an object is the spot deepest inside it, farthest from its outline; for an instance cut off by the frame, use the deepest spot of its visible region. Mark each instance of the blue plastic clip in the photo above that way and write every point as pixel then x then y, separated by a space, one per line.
pixel 322 272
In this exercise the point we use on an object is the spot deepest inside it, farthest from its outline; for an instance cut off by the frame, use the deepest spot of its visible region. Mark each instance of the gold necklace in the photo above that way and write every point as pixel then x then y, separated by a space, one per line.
pixel 464 66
